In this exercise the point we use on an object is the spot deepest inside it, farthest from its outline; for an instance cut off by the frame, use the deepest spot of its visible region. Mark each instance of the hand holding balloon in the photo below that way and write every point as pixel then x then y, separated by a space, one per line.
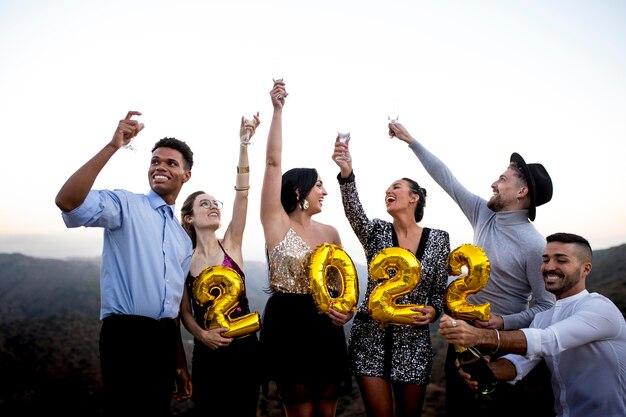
pixel 214 338
pixel 222 286
pixel 325 257
pixel 338 318
pixel 424 315
pixel 477 263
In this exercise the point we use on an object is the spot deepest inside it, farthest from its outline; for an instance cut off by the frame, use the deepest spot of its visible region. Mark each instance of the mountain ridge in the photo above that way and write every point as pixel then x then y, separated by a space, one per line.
pixel 49 329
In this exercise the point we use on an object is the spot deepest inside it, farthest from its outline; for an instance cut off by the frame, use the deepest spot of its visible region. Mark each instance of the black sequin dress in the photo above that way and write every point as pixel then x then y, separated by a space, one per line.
pixel 395 352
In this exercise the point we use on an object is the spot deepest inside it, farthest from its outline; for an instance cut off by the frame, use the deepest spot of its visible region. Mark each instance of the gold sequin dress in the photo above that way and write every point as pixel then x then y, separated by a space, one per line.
pixel 300 347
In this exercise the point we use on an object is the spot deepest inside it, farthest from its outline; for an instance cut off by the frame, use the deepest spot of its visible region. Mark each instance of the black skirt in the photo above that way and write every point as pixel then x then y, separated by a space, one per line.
pixel 299 345
pixel 227 381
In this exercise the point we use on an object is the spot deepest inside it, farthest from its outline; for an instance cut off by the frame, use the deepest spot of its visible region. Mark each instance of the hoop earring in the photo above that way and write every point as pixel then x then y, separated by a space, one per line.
pixel 304 204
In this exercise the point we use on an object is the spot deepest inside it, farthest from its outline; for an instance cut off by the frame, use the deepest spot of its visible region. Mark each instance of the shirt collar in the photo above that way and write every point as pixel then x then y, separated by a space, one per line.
pixel 513 217
pixel 572 298
pixel 156 201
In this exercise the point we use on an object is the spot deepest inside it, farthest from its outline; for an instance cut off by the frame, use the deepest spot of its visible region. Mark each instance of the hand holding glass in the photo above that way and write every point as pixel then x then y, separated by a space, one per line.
pixel 392 121
pixel 343 138
pixel 248 124
pixel 129 145
pixel 278 80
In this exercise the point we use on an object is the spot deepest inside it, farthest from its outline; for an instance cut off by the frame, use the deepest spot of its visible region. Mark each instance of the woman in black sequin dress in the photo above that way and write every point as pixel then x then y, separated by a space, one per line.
pixel 392 363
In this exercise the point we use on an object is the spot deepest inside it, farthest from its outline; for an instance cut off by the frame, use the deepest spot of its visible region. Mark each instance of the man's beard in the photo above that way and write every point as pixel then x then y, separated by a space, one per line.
pixel 495 204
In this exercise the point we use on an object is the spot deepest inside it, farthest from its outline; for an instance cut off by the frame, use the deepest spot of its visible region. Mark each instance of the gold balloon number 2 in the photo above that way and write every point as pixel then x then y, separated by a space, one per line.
pixel 382 302
pixel 478 269
pixel 222 286
pixel 383 306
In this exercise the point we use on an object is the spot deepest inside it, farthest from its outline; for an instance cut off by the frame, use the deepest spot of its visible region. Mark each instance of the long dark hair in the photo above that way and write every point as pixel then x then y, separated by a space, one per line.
pixel 301 180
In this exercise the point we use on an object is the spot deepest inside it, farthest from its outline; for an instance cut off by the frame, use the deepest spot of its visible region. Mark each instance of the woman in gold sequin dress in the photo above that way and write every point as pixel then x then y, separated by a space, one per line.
pixel 304 352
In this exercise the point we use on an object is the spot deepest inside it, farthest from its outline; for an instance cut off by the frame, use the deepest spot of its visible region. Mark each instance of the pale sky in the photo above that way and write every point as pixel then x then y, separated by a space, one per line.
pixel 473 80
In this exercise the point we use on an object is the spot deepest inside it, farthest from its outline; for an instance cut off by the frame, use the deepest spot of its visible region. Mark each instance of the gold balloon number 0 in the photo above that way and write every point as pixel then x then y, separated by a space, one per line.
pixel 382 304
pixel 478 269
pixel 222 286
pixel 324 257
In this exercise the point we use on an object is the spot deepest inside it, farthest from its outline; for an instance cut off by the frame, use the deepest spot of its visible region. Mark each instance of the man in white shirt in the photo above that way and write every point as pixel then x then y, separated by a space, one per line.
pixel 582 338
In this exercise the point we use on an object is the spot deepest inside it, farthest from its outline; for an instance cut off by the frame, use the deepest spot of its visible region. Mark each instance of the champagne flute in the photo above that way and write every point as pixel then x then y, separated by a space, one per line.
pixel 343 138
pixel 129 145
pixel 251 123
pixel 392 120
pixel 278 80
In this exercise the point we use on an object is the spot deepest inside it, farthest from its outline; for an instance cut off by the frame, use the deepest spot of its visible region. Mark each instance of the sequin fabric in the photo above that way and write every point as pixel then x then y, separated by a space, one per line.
pixel 395 352
pixel 300 347
pixel 289 265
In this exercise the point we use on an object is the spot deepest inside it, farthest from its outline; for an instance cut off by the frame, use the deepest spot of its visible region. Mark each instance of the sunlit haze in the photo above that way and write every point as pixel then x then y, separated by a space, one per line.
pixel 474 81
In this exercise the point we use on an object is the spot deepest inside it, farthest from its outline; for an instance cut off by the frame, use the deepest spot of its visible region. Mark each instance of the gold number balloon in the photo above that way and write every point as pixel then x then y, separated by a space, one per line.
pixel 326 256
pixel 382 303
pixel 478 270
pixel 222 286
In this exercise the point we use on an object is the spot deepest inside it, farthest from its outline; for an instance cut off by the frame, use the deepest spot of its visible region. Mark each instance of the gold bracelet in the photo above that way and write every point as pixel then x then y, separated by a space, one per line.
pixel 243 170
pixel 244 188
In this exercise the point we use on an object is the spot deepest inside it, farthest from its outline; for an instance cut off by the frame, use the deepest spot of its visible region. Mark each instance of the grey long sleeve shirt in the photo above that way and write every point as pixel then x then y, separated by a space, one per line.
pixel 515 289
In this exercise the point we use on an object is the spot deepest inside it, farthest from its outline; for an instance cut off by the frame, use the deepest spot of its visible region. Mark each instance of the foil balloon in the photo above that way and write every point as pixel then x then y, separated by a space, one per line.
pixel 222 286
pixel 324 258
pixel 478 269
pixel 406 275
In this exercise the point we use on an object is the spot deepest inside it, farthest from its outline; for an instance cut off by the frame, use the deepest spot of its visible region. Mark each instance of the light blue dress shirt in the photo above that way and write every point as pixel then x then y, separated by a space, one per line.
pixel 146 253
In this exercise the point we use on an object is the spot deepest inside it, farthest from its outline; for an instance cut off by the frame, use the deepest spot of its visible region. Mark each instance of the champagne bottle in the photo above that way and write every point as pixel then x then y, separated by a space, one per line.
pixel 476 365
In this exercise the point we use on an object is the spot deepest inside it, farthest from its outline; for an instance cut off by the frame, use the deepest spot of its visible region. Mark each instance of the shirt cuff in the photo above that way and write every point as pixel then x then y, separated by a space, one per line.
pixel 533 342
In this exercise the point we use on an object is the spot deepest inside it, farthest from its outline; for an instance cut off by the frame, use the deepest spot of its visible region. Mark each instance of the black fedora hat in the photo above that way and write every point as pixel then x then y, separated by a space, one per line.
pixel 539 183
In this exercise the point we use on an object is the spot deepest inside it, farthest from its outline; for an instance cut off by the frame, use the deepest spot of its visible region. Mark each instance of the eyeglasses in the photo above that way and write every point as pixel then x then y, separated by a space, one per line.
pixel 209 204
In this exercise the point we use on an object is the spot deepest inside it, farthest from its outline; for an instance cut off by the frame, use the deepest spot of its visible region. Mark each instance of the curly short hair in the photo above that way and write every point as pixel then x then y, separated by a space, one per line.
pixel 180 146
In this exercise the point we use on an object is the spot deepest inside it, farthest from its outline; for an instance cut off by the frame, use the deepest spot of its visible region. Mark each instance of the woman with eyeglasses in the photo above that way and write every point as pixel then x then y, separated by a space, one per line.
pixel 225 373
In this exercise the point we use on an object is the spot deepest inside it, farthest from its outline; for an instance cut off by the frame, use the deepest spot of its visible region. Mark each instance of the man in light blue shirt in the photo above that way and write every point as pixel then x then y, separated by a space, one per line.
pixel 582 338
pixel 145 260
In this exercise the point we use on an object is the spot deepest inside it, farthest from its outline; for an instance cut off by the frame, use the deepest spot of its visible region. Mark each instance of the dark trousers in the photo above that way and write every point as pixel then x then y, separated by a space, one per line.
pixel 530 396
pixel 138 361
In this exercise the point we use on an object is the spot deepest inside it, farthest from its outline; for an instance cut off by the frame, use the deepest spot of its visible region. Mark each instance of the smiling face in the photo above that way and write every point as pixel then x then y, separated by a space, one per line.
pixel 508 190
pixel 207 212
pixel 399 196
pixel 167 173
pixel 316 197
pixel 564 269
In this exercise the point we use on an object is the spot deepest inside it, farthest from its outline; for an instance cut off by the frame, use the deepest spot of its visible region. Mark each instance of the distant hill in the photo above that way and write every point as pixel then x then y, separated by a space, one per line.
pixel 49 330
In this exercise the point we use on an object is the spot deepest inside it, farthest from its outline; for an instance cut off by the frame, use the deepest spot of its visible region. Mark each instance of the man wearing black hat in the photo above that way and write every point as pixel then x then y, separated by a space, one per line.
pixel 515 289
